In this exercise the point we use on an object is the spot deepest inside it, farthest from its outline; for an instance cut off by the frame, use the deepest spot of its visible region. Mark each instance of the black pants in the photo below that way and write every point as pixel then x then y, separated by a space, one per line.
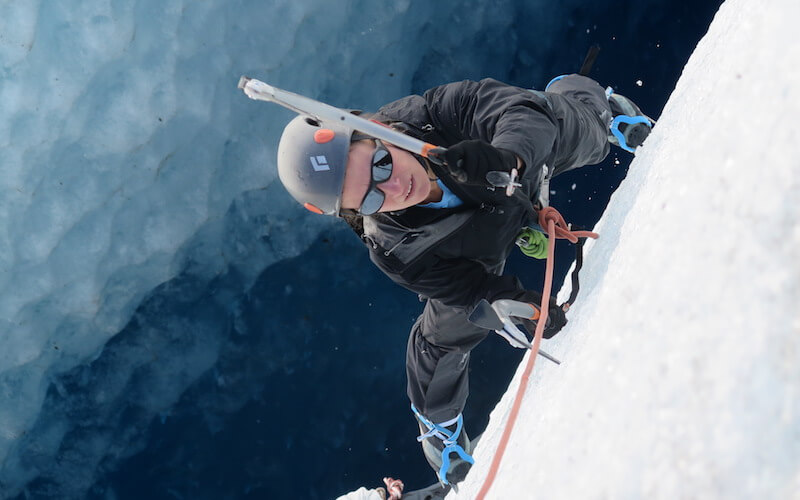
pixel 437 358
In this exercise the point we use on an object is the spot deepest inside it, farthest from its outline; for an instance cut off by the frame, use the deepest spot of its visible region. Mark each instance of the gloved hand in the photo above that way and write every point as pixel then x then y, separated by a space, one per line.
pixel 469 161
pixel 556 319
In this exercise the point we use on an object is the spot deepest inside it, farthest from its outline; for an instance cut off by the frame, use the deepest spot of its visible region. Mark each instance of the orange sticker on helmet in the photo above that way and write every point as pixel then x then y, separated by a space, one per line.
pixel 323 135
pixel 312 208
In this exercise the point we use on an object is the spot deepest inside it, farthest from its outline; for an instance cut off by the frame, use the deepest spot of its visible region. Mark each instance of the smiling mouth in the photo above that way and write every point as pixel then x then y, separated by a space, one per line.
pixel 410 186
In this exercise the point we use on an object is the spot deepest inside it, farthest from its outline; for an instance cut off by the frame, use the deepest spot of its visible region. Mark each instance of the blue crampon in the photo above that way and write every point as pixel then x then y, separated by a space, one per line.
pixel 629 127
pixel 554 80
pixel 630 121
pixel 448 438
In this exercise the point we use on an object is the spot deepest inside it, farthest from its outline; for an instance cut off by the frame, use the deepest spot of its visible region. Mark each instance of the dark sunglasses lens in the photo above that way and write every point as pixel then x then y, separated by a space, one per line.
pixel 381 165
pixel 372 202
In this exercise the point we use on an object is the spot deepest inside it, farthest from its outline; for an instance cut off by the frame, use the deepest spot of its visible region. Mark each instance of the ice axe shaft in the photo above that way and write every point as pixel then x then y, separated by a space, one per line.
pixel 547 356
pixel 260 91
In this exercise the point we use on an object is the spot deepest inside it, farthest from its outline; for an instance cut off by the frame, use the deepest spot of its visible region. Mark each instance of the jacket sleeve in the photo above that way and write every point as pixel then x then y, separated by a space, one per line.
pixel 508 117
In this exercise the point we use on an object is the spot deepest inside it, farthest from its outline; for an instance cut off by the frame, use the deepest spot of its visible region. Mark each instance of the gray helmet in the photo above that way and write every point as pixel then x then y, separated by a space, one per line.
pixel 312 156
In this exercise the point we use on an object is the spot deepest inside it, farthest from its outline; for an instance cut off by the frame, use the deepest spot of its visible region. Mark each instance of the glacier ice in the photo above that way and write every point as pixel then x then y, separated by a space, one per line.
pixel 136 177
pixel 129 158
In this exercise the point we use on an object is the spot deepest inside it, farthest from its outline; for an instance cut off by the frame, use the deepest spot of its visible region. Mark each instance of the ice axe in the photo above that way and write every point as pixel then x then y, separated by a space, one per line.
pixel 260 91
pixel 497 316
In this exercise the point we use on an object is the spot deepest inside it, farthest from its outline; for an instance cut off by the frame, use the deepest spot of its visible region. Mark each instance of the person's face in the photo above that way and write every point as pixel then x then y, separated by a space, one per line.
pixel 408 185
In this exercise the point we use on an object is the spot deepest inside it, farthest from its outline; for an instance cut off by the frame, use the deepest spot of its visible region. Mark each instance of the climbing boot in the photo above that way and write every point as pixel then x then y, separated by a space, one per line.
pixel 629 126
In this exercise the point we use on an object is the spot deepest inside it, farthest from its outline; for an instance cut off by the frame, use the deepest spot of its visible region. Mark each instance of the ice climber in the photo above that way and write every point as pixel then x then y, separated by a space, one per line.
pixel 442 231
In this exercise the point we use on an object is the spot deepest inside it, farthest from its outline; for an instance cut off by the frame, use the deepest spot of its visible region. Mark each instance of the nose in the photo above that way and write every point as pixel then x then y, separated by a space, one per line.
pixel 392 187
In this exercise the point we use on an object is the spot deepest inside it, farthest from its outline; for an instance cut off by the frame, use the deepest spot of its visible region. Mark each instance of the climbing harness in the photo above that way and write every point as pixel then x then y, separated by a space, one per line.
pixel 534 243
pixel 576 285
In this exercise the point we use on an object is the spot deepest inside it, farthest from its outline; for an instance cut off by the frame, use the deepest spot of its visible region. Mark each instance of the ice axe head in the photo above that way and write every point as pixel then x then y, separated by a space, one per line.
pixel 485 316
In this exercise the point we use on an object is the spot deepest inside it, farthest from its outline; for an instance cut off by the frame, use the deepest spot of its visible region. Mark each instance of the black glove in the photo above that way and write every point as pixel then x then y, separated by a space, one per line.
pixel 556 319
pixel 469 161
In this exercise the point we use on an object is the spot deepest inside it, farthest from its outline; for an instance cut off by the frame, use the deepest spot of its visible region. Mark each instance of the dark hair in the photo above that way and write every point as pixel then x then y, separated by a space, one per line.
pixel 355 221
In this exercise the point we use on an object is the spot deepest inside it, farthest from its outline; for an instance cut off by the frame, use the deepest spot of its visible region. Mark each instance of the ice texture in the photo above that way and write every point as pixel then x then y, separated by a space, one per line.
pixel 680 374
pixel 139 207
pixel 129 158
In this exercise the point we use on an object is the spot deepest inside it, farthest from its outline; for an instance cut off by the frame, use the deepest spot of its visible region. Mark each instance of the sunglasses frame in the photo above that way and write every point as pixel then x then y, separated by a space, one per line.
pixel 373 193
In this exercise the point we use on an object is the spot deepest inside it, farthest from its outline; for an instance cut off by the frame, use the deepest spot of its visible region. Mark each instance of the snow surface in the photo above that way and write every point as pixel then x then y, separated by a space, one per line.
pixel 681 361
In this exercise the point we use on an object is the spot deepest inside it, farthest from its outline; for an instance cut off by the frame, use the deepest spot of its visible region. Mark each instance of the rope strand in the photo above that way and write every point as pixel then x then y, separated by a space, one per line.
pixel 394 487
pixel 550 219
pixel 556 228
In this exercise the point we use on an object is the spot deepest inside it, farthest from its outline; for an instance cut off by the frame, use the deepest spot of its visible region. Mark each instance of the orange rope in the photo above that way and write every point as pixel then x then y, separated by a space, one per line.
pixel 550 219
pixel 394 487
pixel 562 228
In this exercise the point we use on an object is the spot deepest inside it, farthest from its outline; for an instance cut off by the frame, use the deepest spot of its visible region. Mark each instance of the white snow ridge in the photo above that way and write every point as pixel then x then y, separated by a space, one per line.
pixel 680 374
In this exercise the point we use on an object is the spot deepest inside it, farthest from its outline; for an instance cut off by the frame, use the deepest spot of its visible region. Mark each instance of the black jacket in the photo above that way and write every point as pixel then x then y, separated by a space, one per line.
pixel 456 255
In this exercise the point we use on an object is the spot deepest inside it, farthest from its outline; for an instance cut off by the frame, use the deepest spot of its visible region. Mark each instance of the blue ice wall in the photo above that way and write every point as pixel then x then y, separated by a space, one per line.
pixel 160 291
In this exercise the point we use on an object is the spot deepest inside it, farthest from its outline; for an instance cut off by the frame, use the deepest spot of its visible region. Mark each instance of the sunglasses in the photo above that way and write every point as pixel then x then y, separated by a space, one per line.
pixel 381 171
